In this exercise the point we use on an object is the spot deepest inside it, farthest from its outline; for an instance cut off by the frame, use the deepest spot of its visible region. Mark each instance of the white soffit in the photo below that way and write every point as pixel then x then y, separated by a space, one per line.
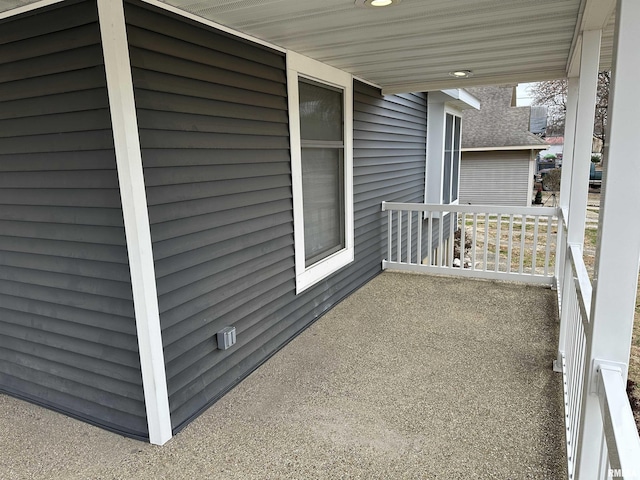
pixel 413 45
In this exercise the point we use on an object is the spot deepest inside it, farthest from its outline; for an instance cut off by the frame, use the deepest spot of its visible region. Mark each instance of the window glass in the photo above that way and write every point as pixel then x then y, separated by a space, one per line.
pixel 456 160
pixel 448 155
pixel 321 115
pixel 321 137
pixel 323 202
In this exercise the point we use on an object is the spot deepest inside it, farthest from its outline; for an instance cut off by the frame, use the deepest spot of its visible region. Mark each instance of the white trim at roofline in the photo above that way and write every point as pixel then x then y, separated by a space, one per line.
pixel 430 86
pixel 27 8
pixel 182 13
pixel 455 97
pixel 215 25
pixel 516 147
pixel 136 217
pixel 374 85
pixel 231 31
pixel 463 96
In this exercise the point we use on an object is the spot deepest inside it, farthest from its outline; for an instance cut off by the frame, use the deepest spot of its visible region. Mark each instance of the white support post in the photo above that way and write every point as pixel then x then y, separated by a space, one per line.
pixel 565 190
pixel 618 250
pixel 136 217
pixel 573 85
pixel 576 159
pixel 581 159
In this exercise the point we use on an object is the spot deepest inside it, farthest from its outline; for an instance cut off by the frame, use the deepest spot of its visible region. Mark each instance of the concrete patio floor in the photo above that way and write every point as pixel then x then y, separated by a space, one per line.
pixel 410 377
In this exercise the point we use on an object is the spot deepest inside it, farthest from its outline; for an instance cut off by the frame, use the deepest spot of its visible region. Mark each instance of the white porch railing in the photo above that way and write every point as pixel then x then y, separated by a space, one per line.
pixel 577 303
pixel 619 442
pixel 493 242
pixel 523 244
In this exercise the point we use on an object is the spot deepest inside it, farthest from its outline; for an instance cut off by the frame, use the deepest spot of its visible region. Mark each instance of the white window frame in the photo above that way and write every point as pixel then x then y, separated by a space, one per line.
pixel 436 132
pixel 455 113
pixel 300 66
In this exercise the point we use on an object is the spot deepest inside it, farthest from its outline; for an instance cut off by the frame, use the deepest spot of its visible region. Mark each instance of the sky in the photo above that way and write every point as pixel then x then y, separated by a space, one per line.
pixel 522 95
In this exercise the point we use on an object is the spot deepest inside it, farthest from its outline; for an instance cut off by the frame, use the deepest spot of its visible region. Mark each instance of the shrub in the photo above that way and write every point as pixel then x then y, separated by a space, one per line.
pixel 551 181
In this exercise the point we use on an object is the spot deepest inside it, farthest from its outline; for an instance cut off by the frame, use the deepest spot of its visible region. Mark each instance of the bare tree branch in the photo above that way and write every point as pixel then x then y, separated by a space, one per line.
pixel 553 95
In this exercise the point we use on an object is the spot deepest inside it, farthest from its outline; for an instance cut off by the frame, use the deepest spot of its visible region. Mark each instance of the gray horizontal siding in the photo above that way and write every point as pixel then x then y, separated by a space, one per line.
pixel 213 123
pixel 212 114
pixel 67 328
pixel 391 168
pixel 495 178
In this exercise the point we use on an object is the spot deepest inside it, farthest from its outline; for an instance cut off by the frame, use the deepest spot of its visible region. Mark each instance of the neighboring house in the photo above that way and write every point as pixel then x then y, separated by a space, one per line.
pixel 261 180
pixel 498 150
pixel 555 146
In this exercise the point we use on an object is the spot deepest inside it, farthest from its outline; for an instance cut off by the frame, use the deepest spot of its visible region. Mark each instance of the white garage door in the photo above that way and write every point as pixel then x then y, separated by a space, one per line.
pixel 495 178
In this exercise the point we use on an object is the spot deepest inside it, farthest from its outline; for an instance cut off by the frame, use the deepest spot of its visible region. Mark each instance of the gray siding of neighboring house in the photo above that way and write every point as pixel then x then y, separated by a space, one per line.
pixel 495 178
pixel 212 112
pixel 67 328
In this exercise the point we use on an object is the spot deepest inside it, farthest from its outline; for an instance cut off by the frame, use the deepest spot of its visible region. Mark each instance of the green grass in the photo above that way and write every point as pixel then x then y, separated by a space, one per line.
pixel 590 237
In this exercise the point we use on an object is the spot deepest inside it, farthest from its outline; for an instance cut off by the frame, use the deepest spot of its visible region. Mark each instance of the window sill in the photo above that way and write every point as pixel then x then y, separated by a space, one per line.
pixel 321 270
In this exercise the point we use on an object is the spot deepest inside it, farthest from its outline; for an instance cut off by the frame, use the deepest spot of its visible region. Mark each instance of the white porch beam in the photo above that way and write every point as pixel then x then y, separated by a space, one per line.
pixel 618 250
pixel 594 16
pixel 136 217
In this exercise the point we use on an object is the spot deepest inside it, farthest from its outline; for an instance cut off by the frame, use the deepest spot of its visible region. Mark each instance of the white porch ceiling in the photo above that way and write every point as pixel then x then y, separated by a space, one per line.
pixel 413 45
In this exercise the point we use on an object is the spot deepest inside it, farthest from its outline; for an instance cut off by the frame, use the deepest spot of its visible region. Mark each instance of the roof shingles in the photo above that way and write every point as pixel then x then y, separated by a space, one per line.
pixel 497 123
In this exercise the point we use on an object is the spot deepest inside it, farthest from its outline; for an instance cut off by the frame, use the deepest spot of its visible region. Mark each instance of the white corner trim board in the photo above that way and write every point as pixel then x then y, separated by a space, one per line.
pixel 136 217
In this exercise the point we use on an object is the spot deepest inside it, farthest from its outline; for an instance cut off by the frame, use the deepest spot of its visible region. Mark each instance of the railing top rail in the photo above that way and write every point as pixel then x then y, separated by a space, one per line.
pixel 564 214
pixel 490 209
pixel 620 430
pixel 582 281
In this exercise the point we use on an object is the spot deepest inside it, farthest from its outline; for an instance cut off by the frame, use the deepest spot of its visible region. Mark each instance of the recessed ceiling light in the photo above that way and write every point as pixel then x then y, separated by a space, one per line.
pixel 376 3
pixel 461 73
